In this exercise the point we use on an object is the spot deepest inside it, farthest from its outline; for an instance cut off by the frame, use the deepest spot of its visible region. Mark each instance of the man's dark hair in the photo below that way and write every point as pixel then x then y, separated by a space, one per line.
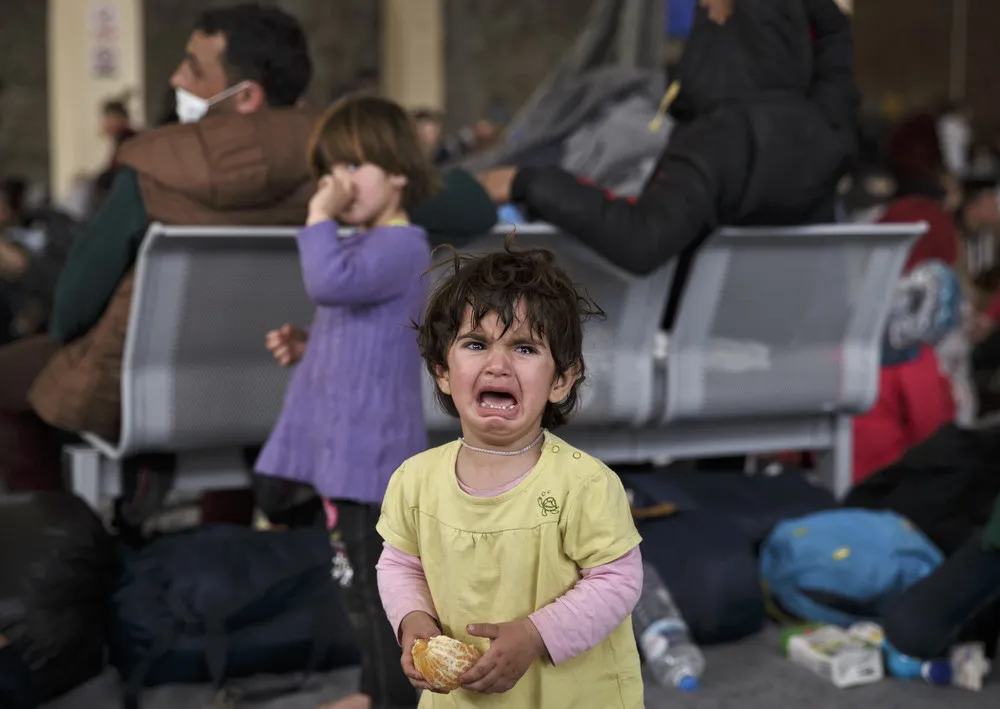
pixel 115 107
pixel 14 192
pixel 263 44
pixel 974 190
pixel 497 283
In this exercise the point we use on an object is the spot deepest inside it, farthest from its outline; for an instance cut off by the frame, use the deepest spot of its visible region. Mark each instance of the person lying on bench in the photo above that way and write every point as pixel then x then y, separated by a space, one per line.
pixel 765 104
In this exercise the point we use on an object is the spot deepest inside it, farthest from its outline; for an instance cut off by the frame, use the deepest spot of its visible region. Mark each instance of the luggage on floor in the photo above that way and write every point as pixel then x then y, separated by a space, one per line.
pixel 756 503
pixel 56 574
pixel 958 602
pixel 844 566
pixel 218 603
pixel 706 550
pixel 945 486
pixel 709 565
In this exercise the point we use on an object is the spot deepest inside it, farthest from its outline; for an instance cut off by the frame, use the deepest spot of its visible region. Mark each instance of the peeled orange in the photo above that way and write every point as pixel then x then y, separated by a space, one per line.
pixel 442 660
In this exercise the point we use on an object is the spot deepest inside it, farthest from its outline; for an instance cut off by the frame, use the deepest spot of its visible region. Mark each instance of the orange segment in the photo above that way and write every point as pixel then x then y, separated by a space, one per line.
pixel 442 660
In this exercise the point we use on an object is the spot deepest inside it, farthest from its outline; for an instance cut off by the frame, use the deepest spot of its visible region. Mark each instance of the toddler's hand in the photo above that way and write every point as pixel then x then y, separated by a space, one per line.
pixel 513 647
pixel 287 344
pixel 333 194
pixel 416 626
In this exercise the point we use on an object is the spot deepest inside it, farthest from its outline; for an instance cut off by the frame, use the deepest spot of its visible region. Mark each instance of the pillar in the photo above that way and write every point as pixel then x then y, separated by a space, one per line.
pixel 95 52
pixel 412 42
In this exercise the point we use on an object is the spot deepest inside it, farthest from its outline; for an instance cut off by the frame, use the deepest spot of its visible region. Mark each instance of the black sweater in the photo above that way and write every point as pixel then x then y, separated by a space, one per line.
pixel 766 127
pixel 16 691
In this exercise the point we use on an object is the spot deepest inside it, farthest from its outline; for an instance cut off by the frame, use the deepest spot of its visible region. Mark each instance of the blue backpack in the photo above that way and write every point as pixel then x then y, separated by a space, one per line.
pixel 843 566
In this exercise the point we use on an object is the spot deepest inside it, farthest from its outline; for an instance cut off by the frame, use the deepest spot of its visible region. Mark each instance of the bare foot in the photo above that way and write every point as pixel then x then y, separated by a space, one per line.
pixel 354 701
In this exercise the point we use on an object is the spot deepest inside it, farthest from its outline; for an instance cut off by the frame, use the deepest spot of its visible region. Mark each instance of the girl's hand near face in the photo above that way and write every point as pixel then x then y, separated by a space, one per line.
pixel 334 194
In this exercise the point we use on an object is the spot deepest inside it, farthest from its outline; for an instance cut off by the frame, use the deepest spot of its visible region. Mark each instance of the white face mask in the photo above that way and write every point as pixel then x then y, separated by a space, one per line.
pixel 191 108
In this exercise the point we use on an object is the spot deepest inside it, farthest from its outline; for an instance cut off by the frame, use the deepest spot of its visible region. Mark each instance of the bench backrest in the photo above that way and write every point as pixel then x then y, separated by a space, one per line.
pixel 774 322
pixel 196 371
pixel 784 322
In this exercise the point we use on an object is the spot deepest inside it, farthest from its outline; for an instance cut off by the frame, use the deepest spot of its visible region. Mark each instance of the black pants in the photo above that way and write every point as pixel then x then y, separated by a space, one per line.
pixel 355 537
pixel 16 691
pixel 958 602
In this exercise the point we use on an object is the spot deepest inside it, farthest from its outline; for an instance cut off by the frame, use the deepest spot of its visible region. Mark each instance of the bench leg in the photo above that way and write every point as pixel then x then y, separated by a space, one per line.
pixel 836 467
pixel 83 468
pixel 200 471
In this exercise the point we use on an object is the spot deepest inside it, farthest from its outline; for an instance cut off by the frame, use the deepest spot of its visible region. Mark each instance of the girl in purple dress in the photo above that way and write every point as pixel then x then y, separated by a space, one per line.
pixel 353 409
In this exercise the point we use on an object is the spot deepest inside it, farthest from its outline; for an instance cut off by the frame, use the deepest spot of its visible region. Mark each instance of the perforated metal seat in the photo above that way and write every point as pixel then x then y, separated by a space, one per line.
pixel 776 344
pixel 782 329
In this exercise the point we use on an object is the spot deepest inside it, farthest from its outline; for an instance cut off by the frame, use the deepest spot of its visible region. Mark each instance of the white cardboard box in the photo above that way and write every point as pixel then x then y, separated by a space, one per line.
pixel 831 653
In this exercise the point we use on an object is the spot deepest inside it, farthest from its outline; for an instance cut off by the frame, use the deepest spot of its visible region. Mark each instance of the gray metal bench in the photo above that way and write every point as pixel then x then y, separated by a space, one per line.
pixel 775 346
pixel 197 380
pixel 778 340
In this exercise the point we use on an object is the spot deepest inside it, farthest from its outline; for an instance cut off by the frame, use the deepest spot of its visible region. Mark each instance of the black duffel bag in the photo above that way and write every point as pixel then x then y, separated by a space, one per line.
pixel 56 574
pixel 218 603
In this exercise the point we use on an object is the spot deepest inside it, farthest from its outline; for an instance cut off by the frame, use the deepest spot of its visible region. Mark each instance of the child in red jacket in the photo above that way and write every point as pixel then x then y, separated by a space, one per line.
pixel 914 401
pixel 915 396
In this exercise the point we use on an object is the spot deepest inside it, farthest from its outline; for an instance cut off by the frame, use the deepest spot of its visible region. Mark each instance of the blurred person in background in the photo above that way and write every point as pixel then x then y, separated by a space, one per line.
pixel 243 66
pixel 430 130
pixel 116 127
pixel 237 93
pixel 926 190
pixel 766 126
pixel 444 149
pixel 33 247
pixel 954 127
pixel 116 124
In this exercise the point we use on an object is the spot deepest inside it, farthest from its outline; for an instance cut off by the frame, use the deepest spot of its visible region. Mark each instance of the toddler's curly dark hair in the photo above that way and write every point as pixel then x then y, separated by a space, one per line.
pixel 497 283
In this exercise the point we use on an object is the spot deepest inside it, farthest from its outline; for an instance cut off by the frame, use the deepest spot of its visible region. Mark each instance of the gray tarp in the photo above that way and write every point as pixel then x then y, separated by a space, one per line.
pixel 591 115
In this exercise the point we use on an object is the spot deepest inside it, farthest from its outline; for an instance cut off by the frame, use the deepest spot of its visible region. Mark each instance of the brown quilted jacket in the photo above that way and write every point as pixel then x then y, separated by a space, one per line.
pixel 235 169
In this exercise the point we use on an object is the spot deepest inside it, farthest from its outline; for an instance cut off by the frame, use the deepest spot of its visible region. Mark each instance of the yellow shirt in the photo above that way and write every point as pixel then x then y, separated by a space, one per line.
pixel 499 559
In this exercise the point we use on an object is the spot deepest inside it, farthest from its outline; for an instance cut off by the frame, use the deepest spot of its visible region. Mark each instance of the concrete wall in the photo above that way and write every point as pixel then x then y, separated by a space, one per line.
pixel 24 108
pixel 495 50
pixel 95 53
pixel 904 47
pixel 499 50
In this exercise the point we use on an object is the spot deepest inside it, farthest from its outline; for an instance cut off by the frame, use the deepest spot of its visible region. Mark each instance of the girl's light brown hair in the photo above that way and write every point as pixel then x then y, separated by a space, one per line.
pixel 367 129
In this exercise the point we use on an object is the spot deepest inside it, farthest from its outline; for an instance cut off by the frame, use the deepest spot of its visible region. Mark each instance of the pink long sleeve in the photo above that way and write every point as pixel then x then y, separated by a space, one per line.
pixel 402 586
pixel 572 624
pixel 599 602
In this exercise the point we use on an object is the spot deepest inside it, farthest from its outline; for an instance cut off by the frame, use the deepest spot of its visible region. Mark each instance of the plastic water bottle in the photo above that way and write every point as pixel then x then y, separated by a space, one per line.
pixel 671 656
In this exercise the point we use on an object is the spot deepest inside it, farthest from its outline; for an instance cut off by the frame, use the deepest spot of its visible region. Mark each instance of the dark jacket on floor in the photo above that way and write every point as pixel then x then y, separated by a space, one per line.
pixel 948 486
pixel 766 127
pixel 16 690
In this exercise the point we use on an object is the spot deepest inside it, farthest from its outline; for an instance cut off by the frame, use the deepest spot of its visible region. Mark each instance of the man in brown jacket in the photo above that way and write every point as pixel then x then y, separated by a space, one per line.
pixel 238 156
pixel 244 70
